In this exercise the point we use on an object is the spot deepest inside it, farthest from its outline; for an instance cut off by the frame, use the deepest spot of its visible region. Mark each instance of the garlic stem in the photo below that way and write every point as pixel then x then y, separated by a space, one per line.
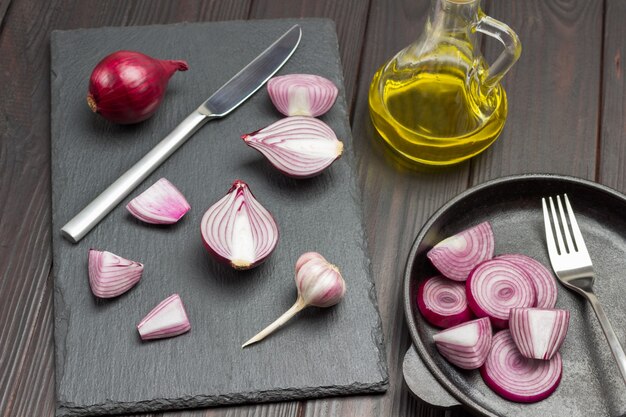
pixel 298 305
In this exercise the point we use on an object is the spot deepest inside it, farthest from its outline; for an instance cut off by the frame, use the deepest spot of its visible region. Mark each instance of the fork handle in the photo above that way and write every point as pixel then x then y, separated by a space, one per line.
pixel 616 348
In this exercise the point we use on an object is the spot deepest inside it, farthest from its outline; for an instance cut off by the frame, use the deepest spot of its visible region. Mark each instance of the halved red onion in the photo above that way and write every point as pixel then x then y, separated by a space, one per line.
pixel 538 333
pixel 542 278
pixel 167 319
pixel 302 94
pixel 238 230
pixel 111 275
pixel 457 255
pixel 162 203
pixel 300 147
pixel 443 302
pixel 516 378
pixel 467 344
pixel 495 287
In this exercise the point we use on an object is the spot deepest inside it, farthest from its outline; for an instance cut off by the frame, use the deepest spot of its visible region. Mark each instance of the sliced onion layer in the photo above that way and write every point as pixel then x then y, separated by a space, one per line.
pixel 457 255
pixel 466 345
pixel 167 319
pixel 111 275
pixel 443 302
pixel 538 333
pixel 162 203
pixel 543 280
pixel 516 378
pixel 302 94
pixel 238 230
pixel 299 147
pixel 495 287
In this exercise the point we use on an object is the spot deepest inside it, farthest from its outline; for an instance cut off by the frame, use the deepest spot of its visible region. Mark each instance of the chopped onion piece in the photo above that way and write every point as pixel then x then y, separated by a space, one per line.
pixel 111 275
pixel 457 255
pixel 516 378
pixel 443 302
pixel 538 333
pixel 167 319
pixel 238 230
pixel 299 147
pixel 495 287
pixel 542 278
pixel 302 94
pixel 466 345
pixel 162 203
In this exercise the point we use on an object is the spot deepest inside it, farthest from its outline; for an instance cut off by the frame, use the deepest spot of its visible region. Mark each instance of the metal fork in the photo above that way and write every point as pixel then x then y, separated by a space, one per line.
pixel 571 263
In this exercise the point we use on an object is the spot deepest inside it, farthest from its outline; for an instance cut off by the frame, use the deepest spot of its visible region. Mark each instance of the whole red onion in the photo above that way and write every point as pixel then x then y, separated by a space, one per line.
pixel 128 87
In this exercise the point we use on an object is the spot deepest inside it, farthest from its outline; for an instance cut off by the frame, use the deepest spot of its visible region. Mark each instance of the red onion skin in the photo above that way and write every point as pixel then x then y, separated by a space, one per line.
pixel 437 319
pixel 127 87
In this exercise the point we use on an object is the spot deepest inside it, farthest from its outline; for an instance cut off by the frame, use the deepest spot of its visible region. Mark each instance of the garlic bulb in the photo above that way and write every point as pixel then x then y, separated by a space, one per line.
pixel 319 284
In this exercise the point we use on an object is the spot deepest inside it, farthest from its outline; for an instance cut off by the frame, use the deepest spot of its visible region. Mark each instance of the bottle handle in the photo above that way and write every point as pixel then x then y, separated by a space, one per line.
pixel 512 49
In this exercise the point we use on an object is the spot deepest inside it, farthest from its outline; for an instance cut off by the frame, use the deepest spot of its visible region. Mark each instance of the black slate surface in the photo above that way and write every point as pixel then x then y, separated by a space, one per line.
pixel 102 366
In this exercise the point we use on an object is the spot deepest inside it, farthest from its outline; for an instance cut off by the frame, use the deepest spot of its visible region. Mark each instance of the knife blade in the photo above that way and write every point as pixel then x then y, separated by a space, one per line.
pixel 223 101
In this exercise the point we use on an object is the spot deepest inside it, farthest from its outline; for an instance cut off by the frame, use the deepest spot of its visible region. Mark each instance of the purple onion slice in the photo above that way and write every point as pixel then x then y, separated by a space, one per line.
pixel 516 378
pixel 457 255
pixel 538 333
pixel 465 345
pixel 302 94
pixel 542 278
pixel 167 319
pixel 443 302
pixel 495 287
pixel 111 275
pixel 238 230
pixel 162 203
pixel 299 147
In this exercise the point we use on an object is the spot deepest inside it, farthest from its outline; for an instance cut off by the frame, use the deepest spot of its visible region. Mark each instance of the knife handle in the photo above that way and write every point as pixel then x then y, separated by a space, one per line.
pixel 83 222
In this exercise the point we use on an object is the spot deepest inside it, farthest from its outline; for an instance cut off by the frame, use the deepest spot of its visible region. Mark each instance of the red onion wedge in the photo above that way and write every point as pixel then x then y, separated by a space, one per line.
pixel 466 345
pixel 162 203
pixel 238 230
pixel 538 333
pixel 544 281
pixel 111 275
pixel 516 378
pixel 299 147
pixel 302 94
pixel 167 319
pixel 457 255
pixel 495 287
pixel 443 302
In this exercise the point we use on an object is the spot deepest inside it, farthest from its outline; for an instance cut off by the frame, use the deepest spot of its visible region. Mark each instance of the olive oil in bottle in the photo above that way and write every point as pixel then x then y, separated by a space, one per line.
pixel 437 102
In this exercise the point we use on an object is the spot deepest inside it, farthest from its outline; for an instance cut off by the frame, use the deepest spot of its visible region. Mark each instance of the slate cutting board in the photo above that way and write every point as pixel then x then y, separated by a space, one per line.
pixel 102 367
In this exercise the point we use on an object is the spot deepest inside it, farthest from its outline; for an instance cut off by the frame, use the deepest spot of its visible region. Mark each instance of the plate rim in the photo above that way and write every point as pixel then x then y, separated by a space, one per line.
pixel 427 359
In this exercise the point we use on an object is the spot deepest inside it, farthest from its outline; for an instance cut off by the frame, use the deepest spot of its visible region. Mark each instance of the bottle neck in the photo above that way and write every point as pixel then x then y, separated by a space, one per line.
pixel 454 16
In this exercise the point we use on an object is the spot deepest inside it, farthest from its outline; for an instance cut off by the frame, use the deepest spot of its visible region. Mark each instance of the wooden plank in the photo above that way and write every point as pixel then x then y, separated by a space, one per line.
pixel 24 174
pixel 553 90
pixel 612 157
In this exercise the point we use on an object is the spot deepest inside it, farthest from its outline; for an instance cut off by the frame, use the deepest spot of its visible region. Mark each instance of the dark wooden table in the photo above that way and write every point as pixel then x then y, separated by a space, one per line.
pixel 567 107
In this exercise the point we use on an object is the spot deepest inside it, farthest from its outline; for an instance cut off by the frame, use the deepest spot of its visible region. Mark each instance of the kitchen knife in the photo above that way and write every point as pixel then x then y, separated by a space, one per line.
pixel 245 83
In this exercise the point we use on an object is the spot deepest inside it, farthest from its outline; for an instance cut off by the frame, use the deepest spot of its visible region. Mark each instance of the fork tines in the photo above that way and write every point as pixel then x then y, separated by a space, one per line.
pixel 562 226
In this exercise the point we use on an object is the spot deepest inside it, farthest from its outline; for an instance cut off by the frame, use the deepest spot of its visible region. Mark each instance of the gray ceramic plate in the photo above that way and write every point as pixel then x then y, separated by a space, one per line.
pixel 591 384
